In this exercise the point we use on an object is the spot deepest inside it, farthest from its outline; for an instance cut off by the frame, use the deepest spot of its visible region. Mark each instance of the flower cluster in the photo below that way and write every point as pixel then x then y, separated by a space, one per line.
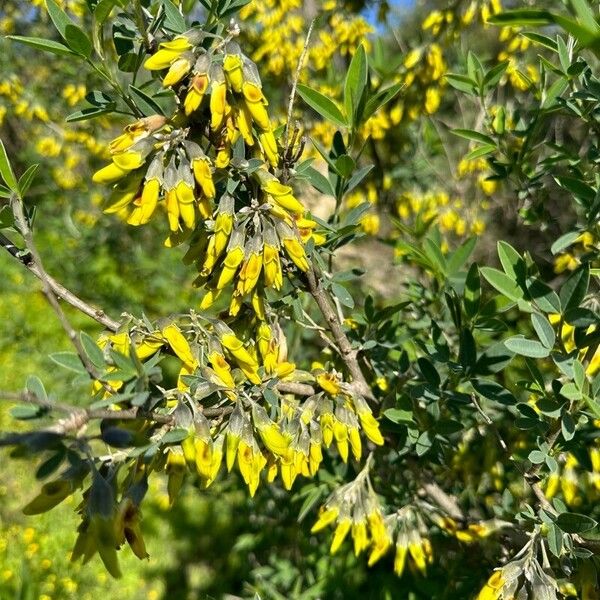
pixel 220 368
pixel 232 85
pixel 289 443
pixel 354 508
pixel 424 70
pixel 523 577
pixel 252 248
pixel 245 238
pixel 281 27
pixel 420 211
pixel 570 259
pixel 215 350
pixel 572 481
pixel 411 540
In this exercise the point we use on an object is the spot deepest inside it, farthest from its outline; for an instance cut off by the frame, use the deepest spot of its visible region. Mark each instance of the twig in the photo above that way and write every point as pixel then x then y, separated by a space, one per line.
pixel 293 387
pixel 446 502
pixel 141 23
pixel 79 412
pixel 489 421
pixel 59 290
pixel 348 354
pixel 16 204
pixel 295 85
pixel 531 476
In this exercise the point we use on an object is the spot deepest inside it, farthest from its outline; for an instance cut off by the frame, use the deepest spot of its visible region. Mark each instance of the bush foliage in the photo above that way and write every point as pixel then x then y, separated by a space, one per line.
pixel 316 312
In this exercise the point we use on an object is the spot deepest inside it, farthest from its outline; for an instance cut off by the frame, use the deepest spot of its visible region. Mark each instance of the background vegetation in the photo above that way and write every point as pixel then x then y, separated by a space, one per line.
pixel 465 261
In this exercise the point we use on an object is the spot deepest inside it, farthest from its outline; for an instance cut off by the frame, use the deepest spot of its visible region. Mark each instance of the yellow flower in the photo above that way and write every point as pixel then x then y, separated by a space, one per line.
pixel 167 53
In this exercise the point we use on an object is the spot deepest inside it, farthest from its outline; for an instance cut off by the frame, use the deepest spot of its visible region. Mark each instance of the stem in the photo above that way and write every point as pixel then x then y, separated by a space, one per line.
pixel 22 223
pixel 348 354
pixel 117 87
pixel 141 23
pixel 295 85
pixel 57 288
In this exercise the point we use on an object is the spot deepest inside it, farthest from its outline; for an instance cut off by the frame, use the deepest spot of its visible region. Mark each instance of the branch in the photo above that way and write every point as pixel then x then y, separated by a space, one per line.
pixel 292 387
pixel 58 289
pixel 348 354
pixel 489 421
pixel 141 23
pixel 446 502
pixel 295 85
pixel 16 204
pixel 78 417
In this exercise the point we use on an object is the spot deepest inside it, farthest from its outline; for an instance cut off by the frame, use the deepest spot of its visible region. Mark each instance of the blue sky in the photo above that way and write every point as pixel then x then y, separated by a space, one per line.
pixel 371 13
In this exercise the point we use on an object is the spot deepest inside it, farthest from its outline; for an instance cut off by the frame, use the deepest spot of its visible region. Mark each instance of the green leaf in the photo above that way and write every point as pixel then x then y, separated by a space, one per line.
pixel 531 348
pixel 59 17
pixel 581 317
pixel 575 523
pixel 322 104
pixel 355 84
pixel 522 17
pixel 429 372
pixel 103 10
pixel 311 500
pixel 502 282
pixel 423 443
pixel 68 360
pixel 544 296
pixel 567 427
pixel 571 391
pixel 544 330
pixel 380 99
pixel 579 374
pixel 474 67
pixel 76 38
pixel 512 262
pixel 50 465
pixel 6 172
pixel 564 241
pixel 94 353
pixel 555 540
pixel 479 151
pixel 42 44
pixel 476 136
pixel 493 391
pixel 462 83
pixel 89 113
pixel 345 165
pixel 578 188
pixel 175 435
pixel 460 256
pixel 544 40
pixel 435 255
pixel 342 294
pixel 472 291
pixel 398 415
pixel 319 181
pixel 174 19
pixel 537 457
pixel 575 288
pixel 358 177
pixel 585 15
pixel 78 41
pixel 26 179
pixel 553 92
pixel 117 437
pixel 35 386
pixel 467 352
pixel 145 103
pixel 493 76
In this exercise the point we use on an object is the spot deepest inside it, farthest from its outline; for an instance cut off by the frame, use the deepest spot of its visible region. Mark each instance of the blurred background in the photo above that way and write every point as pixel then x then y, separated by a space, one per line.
pixel 218 543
